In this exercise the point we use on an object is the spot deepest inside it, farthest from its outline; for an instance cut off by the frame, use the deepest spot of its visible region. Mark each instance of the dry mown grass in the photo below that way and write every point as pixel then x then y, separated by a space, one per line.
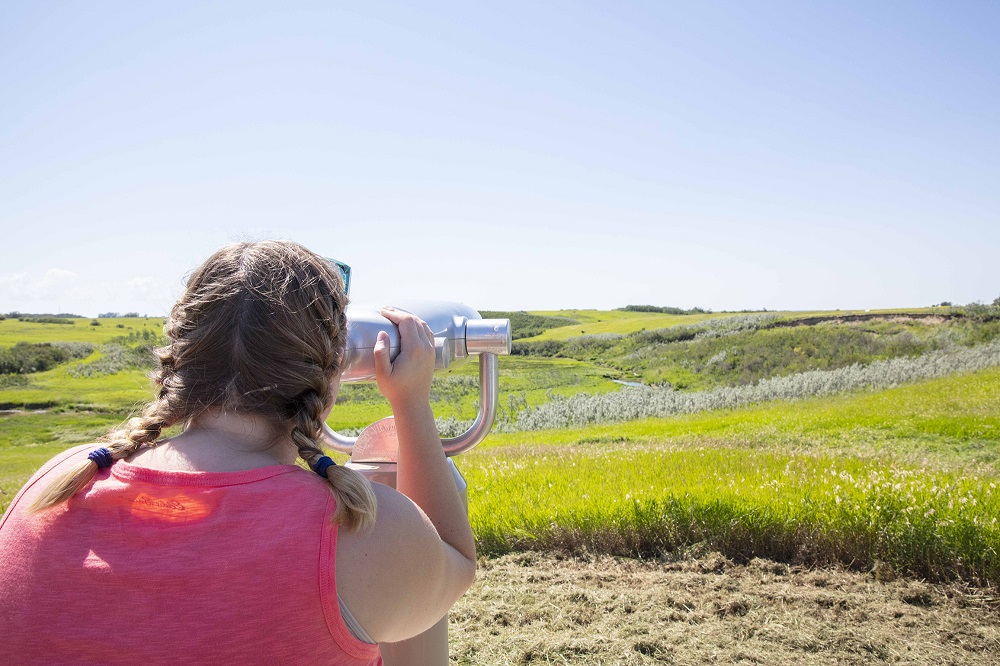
pixel 532 608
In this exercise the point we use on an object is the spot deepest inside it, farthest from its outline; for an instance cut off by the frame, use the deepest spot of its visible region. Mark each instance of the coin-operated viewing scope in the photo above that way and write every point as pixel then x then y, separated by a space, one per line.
pixel 459 333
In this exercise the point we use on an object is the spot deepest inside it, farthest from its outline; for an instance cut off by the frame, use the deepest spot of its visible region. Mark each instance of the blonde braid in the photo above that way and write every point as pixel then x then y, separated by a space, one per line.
pixel 121 443
pixel 356 504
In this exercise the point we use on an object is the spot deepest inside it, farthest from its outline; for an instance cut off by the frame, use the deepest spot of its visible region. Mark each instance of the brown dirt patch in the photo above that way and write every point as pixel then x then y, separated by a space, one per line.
pixel 532 608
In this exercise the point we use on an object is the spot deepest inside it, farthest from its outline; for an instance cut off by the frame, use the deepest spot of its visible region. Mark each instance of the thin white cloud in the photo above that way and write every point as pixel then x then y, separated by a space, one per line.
pixel 52 284
pixel 60 290
pixel 12 283
pixel 57 275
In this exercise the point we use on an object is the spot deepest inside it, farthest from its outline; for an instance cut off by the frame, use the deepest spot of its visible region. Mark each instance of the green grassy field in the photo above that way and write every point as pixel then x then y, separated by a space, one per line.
pixel 904 477
pixel 622 322
pixel 12 330
pixel 594 322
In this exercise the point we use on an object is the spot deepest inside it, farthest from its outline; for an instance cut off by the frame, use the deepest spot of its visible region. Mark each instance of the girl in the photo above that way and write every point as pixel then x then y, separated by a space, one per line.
pixel 213 545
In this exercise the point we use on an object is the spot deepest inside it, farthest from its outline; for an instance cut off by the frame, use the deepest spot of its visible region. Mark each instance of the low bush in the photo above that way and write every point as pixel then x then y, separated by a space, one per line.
pixel 978 312
pixel 114 359
pixel 541 348
pixel 46 320
pixel 125 352
pixel 28 357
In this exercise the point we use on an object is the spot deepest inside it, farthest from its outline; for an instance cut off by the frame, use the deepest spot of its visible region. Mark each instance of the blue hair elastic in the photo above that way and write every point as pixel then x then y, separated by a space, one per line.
pixel 322 465
pixel 102 457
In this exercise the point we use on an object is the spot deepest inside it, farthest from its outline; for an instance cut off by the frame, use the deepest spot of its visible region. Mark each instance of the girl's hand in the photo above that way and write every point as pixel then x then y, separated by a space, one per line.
pixel 407 379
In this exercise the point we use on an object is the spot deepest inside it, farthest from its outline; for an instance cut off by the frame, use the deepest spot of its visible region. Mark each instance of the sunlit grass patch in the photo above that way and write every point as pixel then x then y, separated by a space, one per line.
pixel 13 331
pixel 595 322
pixel 59 388
pixel 744 502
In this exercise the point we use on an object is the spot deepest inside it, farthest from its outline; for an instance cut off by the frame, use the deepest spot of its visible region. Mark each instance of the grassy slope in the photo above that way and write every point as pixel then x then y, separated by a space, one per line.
pixel 593 322
pixel 56 387
pixel 12 331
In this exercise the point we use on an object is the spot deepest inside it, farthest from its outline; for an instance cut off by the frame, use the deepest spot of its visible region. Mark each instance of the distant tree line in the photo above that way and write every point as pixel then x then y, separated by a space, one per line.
pixel 45 318
pixel 62 317
pixel 664 309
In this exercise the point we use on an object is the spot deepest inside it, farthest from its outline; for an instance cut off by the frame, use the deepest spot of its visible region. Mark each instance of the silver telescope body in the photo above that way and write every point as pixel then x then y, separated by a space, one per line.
pixel 459 334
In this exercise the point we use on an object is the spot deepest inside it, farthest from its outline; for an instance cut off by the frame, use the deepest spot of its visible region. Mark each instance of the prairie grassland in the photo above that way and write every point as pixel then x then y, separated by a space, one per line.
pixel 740 349
pixel 13 331
pixel 906 478
pixel 621 322
pixel 58 388
pixel 596 322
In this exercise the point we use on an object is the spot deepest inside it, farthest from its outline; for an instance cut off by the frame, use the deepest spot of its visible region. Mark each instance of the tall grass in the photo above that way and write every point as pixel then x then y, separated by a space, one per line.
pixel 805 507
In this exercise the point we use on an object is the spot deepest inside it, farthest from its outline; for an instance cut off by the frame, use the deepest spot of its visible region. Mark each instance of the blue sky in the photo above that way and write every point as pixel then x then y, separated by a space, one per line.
pixel 729 155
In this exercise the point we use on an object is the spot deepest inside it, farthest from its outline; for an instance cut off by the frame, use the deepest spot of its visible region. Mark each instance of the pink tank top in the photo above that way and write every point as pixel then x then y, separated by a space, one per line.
pixel 156 567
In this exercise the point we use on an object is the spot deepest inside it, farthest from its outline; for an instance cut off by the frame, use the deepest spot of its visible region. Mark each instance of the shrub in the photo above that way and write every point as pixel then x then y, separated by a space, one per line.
pixel 979 313
pixel 27 357
pixel 125 352
pixel 585 347
pixel 546 348
pixel 46 320
pixel 114 359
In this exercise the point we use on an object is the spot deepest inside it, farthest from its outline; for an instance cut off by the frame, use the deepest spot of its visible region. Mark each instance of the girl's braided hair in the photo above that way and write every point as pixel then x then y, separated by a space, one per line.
pixel 260 329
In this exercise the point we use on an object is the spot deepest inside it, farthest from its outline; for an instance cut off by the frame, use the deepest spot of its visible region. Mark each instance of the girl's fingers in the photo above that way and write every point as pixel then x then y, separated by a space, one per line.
pixel 383 366
pixel 401 319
